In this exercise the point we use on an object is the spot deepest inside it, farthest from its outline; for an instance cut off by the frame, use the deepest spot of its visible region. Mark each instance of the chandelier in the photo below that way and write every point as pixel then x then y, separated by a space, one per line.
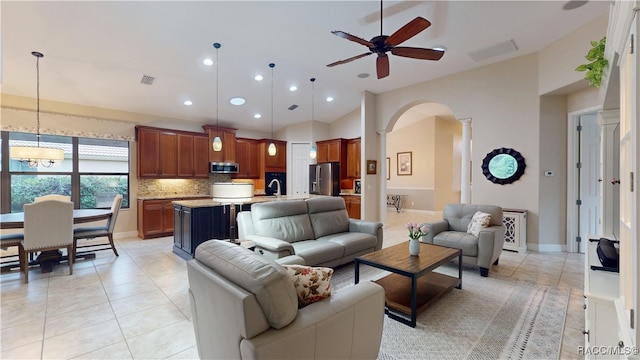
pixel 40 155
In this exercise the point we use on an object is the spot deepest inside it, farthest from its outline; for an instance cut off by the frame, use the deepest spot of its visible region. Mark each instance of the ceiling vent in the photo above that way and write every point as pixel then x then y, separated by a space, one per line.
pixel 293 107
pixel 147 80
pixel 498 49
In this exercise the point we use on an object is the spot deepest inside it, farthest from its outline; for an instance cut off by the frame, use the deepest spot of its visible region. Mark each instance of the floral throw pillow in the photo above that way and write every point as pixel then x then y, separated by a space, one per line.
pixel 312 283
pixel 479 221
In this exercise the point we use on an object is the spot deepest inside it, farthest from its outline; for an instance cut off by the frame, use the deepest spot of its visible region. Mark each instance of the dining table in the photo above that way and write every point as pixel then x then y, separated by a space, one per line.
pixel 48 259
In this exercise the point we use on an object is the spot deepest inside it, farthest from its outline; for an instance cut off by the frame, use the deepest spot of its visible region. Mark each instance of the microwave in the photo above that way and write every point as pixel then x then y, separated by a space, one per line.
pixel 224 168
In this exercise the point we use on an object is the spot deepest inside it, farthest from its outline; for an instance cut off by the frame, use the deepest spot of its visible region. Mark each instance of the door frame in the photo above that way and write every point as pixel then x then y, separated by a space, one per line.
pixel 573 177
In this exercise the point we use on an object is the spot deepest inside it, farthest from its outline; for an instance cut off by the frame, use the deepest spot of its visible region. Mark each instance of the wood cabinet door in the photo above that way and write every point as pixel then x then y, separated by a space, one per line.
pixel 323 152
pixel 201 157
pixel 248 153
pixel 185 161
pixel 333 151
pixel 148 146
pixel 229 146
pixel 353 159
pixel 354 209
pixel 167 216
pixel 152 218
pixel 168 154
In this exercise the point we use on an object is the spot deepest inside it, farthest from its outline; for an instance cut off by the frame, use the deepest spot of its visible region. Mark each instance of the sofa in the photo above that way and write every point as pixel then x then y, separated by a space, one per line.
pixel 482 250
pixel 317 229
pixel 244 306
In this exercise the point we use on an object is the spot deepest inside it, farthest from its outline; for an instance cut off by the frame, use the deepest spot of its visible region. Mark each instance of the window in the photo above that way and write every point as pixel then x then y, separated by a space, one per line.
pixel 100 172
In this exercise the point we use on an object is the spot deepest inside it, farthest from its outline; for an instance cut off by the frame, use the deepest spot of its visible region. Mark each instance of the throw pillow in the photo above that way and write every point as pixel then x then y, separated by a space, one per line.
pixel 312 283
pixel 479 221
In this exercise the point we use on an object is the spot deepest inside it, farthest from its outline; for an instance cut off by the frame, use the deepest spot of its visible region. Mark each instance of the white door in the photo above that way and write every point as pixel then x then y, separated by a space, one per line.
pixel 300 169
pixel 629 192
pixel 589 178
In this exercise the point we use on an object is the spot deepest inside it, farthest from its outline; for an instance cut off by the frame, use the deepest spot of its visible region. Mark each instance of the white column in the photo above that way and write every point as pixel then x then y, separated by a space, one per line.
pixel 465 183
pixel 383 176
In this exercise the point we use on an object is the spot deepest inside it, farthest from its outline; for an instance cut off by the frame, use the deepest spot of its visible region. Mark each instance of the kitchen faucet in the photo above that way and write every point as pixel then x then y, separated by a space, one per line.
pixel 277 186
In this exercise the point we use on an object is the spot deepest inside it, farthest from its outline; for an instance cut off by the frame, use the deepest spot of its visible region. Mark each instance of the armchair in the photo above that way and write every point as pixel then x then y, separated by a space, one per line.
pixel 244 306
pixel 482 250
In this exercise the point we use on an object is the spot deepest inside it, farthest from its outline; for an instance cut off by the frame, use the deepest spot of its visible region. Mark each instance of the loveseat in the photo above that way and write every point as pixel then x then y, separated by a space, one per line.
pixel 482 250
pixel 245 306
pixel 317 229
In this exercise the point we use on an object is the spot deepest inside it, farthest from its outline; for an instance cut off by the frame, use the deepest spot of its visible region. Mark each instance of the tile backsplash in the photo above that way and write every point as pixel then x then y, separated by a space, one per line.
pixel 167 187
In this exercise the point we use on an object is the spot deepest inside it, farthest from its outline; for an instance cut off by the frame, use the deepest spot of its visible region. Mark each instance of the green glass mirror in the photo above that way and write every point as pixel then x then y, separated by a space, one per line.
pixel 503 166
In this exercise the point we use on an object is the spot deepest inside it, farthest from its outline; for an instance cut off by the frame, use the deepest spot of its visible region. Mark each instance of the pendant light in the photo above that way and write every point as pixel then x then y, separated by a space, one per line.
pixel 272 147
pixel 217 142
pixel 35 156
pixel 313 152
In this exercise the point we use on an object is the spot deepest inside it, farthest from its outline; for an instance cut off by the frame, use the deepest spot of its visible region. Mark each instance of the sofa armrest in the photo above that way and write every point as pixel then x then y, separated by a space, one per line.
pixel 369 227
pixel 271 248
pixel 348 324
pixel 434 229
pixel 490 243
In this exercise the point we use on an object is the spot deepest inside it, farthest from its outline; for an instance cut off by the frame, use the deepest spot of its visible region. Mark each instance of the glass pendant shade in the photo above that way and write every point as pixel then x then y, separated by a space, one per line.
pixel 313 153
pixel 217 144
pixel 272 149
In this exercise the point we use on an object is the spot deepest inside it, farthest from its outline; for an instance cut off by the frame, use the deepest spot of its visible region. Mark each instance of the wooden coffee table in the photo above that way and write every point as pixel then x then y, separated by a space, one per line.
pixel 413 286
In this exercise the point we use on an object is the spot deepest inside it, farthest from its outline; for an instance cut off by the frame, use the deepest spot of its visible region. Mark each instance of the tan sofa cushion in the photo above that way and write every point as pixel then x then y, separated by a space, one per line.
pixel 286 220
pixel 268 281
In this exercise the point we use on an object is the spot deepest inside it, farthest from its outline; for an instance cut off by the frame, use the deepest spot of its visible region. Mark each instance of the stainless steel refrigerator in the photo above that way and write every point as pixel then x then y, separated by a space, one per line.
pixel 324 179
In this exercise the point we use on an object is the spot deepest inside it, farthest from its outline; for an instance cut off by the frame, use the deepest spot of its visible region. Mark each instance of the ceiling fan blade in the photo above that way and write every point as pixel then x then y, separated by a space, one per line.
pixel 411 29
pixel 349 59
pixel 348 36
pixel 418 53
pixel 382 65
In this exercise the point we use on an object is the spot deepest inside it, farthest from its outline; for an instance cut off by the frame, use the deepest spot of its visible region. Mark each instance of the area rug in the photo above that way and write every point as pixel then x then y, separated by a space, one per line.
pixel 489 318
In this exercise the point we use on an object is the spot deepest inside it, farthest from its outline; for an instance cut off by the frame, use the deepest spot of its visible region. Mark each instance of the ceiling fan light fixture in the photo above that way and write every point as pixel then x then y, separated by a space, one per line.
pixel 237 101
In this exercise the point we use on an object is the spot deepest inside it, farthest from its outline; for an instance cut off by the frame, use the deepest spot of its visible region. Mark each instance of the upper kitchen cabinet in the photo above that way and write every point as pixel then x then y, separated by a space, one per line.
pixel 248 156
pixel 164 153
pixel 353 158
pixel 277 163
pixel 334 150
pixel 228 137
pixel 157 152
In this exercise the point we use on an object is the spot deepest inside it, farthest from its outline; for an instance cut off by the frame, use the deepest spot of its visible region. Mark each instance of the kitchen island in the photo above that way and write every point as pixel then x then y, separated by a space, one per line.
pixel 196 221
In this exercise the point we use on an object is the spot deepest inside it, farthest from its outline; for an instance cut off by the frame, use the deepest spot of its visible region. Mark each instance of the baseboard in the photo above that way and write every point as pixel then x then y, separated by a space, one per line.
pixel 547 247
pixel 124 235
pixel 430 212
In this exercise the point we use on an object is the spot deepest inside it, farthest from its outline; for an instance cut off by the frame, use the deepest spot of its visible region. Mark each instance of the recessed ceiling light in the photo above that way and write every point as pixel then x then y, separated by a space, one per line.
pixel 188 102
pixel 329 99
pixel 207 62
pixel 293 88
pixel 363 75
pixel 257 116
pixel 258 77
pixel 237 101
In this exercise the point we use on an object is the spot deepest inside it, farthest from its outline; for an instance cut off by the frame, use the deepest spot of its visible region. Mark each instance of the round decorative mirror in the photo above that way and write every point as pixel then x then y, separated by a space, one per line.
pixel 503 166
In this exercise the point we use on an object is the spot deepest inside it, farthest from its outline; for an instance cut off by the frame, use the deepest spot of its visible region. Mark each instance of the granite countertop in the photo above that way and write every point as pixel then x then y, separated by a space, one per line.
pixel 162 196
pixel 256 199
pixel 345 193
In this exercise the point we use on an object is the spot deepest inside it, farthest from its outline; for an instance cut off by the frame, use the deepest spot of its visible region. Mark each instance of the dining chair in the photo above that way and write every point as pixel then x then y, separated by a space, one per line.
pixel 48 225
pixel 52 197
pixel 100 231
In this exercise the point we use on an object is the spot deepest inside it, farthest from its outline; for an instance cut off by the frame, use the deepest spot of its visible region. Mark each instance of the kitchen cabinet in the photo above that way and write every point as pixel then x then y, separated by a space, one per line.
pixel 248 154
pixel 157 153
pixel 193 226
pixel 334 150
pixel 353 158
pixel 228 137
pixel 277 163
pixel 352 203
pixel 164 153
pixel 155 217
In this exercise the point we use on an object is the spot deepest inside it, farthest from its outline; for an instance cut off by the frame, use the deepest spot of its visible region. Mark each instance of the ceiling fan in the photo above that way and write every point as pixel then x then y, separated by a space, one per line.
pixel 382 44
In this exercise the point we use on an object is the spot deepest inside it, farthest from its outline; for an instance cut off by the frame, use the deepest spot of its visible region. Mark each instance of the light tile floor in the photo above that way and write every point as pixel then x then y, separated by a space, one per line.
pixel 136 305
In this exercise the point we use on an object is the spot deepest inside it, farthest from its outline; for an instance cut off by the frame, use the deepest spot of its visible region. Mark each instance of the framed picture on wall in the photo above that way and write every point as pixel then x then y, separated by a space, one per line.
pixel 388 168
pixel 371 167
pixel 404 163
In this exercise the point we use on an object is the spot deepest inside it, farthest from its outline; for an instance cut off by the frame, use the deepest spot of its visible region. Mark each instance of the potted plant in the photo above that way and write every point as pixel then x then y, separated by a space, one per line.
pixel 597 63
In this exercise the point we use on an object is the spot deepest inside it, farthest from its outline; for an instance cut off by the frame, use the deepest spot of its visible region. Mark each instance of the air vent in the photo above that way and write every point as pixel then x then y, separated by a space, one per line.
pixel 494 50
pixel 147 80
pixel 293 107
